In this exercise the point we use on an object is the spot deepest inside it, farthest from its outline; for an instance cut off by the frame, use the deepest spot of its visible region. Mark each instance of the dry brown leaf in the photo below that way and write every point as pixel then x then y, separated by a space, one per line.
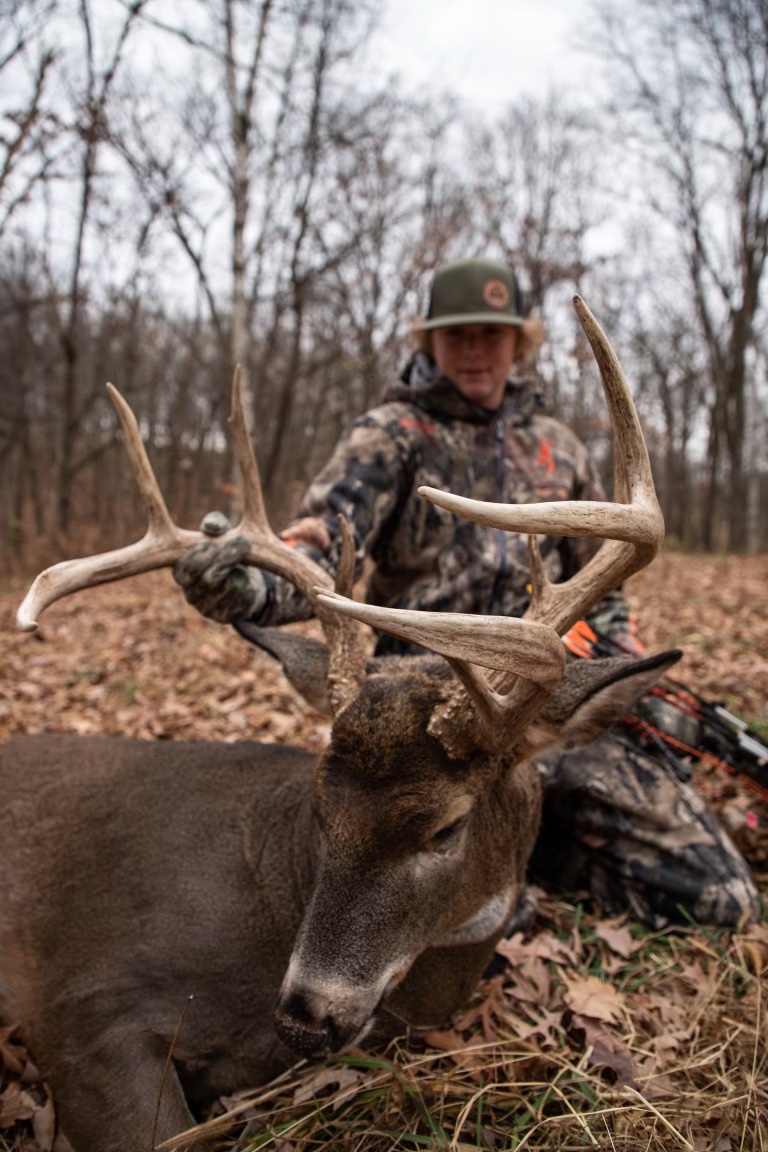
pixel 605 1051
pixel 463 1051
pixel 656 1086
pixel 618 939
pixel 15 1105
pixel 527 1029
pixel 542 1022
pixel 589 996
pixel 531 982
pixel 754 947
pixel 544 945
pixel 669 1046
pixel 446 1039
pixel 340 1076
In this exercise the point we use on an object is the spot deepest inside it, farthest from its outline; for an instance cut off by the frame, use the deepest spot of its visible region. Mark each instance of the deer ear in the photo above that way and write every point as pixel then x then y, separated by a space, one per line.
pixel 594 694
pixel 303 659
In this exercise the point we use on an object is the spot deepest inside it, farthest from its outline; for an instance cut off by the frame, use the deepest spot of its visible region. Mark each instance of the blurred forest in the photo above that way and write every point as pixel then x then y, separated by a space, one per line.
pixel 185 187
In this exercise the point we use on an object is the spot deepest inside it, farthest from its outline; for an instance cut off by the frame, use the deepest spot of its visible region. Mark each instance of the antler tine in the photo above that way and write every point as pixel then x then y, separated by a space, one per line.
pixel 267 549
pixel 346 650
pixel 254 518
pixel 487 641
pixel 345 570
pixel 161 546
pixel 632 527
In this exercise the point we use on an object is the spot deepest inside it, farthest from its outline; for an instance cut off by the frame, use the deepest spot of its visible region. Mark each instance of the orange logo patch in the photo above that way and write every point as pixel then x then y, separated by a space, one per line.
pixel 419 425
pixel 544 458
pixel 496 294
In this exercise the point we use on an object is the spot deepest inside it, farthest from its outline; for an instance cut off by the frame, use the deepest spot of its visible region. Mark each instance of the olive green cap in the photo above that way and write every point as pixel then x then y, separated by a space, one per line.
pixel 474 292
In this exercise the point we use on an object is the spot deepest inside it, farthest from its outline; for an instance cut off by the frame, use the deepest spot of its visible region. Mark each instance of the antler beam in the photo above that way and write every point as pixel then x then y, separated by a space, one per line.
pixel 164 543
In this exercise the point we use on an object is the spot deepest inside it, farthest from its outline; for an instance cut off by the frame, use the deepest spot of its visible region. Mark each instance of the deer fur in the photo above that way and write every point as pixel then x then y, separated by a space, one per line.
pixel 294 900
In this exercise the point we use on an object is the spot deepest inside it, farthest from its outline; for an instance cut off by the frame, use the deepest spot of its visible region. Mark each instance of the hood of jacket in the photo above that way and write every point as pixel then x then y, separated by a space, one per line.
pixel 422 384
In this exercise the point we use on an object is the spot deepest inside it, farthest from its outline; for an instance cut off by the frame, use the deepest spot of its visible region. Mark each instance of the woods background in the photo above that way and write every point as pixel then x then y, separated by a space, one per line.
pixel 190 184
pixel 187 187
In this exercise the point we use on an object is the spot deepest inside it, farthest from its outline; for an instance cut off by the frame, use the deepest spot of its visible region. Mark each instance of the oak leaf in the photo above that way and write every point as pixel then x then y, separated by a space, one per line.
pixel 589 996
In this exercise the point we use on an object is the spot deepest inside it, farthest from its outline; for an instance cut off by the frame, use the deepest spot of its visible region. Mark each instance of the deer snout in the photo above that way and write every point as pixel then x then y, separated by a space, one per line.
pixel 306 1029
pixel 318 1018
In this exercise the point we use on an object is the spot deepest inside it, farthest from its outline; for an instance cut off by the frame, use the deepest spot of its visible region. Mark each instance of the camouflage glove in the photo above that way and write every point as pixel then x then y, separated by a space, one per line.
pixel 214 579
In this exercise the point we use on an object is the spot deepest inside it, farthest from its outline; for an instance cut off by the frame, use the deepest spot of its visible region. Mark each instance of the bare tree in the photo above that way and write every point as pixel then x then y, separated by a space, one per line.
pixel 669 367
pixel 403 209
pixel 689 89
pixel 534 184
pixel 88 133
pixel 27 124
pixel 238 170
pixel 535 193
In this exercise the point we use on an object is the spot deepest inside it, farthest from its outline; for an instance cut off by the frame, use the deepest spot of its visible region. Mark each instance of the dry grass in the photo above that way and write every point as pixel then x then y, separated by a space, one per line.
pixel 595 1035
pixel 676 1057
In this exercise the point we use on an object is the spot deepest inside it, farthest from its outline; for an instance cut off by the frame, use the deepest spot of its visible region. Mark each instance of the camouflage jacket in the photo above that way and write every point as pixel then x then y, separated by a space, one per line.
pixel 415 555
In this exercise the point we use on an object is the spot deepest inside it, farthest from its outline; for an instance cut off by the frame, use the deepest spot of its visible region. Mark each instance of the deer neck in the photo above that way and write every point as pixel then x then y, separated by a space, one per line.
pixel 283 839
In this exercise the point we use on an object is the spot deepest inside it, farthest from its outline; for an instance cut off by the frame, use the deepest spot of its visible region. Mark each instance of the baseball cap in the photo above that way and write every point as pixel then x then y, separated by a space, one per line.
pixel 474 292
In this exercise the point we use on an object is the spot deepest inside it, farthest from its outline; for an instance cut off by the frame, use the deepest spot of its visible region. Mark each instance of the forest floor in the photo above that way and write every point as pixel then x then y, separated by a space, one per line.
pixel 597 1033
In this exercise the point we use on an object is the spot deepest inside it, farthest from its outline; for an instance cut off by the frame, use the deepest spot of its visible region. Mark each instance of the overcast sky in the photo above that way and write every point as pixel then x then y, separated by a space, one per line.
pixel 486 51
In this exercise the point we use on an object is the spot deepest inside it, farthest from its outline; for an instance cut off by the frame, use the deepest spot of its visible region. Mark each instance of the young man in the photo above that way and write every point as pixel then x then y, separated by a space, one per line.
pixel 466 417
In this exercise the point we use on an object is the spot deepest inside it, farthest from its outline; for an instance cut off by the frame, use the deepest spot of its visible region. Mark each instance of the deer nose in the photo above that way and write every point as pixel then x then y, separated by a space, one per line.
pixel 305 1031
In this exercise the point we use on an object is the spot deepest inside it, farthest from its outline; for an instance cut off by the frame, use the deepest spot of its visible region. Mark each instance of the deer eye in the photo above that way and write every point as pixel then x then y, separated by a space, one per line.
pixel 446 836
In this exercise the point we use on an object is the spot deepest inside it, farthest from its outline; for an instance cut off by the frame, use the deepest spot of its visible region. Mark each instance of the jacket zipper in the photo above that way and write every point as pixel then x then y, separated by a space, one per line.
pixel 496 606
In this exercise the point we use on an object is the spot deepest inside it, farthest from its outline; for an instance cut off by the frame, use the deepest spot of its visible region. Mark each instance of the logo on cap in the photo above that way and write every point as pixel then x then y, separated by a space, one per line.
pixel 496 294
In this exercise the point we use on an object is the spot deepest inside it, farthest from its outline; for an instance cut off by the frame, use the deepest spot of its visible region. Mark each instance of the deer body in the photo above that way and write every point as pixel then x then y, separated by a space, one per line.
pixel 296 900
pixel 142 874
pixel 138 874
pixel 272 890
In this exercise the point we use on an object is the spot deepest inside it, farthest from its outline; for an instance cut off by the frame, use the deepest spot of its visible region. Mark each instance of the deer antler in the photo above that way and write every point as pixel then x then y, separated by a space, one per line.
pixel 632 528
pixel 164 542
pixel 525 658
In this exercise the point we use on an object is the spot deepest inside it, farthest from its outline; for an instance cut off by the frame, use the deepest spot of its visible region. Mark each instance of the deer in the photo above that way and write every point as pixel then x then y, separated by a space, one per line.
pixel 182 920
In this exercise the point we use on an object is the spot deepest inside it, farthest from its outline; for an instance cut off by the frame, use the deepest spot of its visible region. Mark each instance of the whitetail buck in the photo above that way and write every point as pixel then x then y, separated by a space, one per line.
pixel 286 895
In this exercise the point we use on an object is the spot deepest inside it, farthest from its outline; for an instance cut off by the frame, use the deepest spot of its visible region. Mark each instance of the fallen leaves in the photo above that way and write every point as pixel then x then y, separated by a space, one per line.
pixel 133 659
pixel 619 939
pixel 340 1079
pixel 544 998
pixel 716 609
pixel 607 1053
pixel 589 996
pixel 754 946
pixel 586 1012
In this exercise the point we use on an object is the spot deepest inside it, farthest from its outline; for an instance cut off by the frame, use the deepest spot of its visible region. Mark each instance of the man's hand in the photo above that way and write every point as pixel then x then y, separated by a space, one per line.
pixel 215 580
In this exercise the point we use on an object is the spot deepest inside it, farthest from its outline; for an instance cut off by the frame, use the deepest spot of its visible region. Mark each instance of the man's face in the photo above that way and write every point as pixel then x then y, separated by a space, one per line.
pixel 477 358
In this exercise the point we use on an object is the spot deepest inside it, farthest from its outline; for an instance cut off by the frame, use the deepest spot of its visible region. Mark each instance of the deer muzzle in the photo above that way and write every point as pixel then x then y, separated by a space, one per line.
pixel 306 1029
pixel 318 1020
